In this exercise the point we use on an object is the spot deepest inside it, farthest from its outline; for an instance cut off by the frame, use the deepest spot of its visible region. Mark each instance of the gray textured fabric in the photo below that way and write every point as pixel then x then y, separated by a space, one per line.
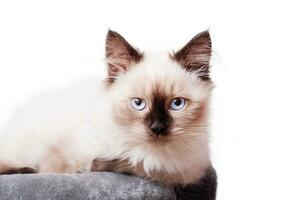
pixel 100 185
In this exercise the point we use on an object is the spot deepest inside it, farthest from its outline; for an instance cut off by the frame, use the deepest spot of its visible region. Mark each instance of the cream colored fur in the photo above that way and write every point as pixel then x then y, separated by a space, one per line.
pixel 79 124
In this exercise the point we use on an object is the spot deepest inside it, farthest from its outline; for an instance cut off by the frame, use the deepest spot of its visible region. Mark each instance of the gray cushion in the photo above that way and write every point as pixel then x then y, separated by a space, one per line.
pixel 96 185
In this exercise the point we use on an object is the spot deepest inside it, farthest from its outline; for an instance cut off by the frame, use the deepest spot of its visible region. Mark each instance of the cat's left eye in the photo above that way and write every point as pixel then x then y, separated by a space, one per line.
pixel 177 103
pixel 138 104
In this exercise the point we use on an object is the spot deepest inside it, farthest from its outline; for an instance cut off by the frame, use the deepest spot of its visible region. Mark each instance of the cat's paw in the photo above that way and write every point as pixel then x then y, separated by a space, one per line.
pixel 115 165
pixel 99 165
pixel 5 170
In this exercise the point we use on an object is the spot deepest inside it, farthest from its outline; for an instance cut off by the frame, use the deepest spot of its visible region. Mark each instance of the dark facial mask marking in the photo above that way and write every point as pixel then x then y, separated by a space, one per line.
pixel 158 119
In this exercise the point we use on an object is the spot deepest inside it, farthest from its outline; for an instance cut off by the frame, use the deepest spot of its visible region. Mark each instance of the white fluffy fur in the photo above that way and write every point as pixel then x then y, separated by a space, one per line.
pixel 80 119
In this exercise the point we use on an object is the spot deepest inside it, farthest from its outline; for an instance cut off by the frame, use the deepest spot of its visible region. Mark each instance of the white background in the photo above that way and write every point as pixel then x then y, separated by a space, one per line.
pixel 256 67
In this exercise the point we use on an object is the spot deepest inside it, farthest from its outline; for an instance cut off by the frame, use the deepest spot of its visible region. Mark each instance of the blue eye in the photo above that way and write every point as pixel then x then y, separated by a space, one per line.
pixel 138 104
pixel 177 103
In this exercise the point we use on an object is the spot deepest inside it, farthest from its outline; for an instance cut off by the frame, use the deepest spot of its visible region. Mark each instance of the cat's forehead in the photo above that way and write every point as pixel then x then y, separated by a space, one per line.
pixel 159 73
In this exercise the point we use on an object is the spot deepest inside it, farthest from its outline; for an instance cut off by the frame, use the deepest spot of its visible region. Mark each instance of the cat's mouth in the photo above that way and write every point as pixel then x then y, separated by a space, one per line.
pixel 158 132
pixel 159 138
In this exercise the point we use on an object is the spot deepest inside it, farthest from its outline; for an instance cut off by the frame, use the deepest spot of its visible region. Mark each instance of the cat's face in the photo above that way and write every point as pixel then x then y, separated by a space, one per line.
pixel 156 97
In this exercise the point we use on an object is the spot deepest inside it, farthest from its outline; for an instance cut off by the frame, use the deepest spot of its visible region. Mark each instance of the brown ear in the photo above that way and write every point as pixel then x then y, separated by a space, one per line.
pixel 120 55
pixel 195 55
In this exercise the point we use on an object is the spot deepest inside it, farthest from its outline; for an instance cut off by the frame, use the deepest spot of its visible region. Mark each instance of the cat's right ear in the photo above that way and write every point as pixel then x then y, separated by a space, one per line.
pixel 120 55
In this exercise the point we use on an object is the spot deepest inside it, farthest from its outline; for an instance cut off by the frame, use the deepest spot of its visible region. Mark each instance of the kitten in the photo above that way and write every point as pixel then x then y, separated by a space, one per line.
pixel 149 117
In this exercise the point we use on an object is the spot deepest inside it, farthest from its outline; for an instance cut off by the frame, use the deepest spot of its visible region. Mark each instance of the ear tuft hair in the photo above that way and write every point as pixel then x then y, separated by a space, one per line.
pixel 195 55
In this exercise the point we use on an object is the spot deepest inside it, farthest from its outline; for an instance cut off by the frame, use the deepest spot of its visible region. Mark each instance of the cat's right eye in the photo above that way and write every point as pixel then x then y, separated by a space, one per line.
pixel 138 103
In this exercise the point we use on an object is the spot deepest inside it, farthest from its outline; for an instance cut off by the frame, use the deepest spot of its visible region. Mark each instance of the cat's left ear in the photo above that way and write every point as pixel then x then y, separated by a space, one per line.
pixel 195 55
pixel 120 55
